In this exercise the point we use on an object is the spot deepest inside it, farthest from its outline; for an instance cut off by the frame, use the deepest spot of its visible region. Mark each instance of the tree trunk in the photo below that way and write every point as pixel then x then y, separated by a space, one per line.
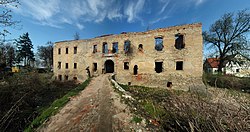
pixel 220 66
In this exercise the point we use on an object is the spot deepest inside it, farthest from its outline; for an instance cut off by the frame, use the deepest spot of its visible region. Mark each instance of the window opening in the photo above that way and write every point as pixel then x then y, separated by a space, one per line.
pixel 75 65
pixel 115 47
pixel 179 65
pixel 179 41
pixel 94 48
pixel 169 84
pixel 158 67
pixel 75 78
pixel 140 47
pixel 126 65
pixel 237 70
pixel 105 48
pixel 127 46
pixel 159 43
pixel 75 50
pixel 67 50
pixel 59 51
pixel 66 65
pixel 59 65
pixel 135 70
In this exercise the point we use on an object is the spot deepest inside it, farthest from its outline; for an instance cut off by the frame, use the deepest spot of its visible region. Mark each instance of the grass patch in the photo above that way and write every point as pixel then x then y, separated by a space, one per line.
pixel 55 106
pixel 136 119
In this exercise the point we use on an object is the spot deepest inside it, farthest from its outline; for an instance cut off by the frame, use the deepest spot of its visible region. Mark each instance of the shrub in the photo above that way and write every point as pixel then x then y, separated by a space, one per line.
pixel 226 81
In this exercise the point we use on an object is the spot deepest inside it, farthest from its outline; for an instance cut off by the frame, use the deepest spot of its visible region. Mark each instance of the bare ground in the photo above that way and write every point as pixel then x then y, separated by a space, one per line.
pixel 97 108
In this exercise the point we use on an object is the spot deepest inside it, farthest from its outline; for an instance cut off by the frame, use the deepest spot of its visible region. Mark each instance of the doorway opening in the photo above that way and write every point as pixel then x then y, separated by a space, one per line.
pixel 109 66
pixel 135 70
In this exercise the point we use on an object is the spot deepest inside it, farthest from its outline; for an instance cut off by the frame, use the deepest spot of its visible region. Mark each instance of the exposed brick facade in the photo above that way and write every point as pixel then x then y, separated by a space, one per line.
pixel 181 64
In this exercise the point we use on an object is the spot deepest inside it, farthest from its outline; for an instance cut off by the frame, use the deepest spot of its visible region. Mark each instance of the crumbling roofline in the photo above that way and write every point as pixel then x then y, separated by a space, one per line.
pixel 137 33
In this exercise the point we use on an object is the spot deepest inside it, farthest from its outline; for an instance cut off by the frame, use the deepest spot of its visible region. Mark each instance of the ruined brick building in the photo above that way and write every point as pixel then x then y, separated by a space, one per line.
pixel 162 57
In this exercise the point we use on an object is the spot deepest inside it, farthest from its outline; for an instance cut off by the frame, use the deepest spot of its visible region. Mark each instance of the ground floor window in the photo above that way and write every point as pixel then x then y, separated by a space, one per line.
pixel 158 67
pixel 179 65
pixel 126 65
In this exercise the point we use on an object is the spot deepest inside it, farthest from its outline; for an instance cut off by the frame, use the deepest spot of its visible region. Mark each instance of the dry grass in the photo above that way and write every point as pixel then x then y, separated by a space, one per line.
pixel 168 110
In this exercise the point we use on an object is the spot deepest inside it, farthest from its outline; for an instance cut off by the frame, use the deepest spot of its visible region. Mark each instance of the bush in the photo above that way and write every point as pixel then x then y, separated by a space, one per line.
pixel 25 95
pixel 227 81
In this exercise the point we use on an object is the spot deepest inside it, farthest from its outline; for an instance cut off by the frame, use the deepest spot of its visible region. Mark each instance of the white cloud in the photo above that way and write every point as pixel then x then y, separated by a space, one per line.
pixel 133 9
pixel 158 20
pixel 198 2
pixel 40 9
pixel 80 26
pixel 54 13
pixel 165 4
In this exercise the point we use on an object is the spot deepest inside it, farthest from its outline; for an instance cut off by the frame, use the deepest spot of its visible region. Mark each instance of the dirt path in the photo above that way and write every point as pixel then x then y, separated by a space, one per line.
pixel 92 110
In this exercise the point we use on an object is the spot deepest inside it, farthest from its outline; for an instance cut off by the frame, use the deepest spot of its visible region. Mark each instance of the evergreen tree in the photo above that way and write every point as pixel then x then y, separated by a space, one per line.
pixel 24 49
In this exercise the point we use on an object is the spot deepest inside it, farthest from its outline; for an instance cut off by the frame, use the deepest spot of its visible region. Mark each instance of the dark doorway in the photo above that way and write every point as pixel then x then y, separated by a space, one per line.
pixel 109 66
pixel 95 67
pixel 135 70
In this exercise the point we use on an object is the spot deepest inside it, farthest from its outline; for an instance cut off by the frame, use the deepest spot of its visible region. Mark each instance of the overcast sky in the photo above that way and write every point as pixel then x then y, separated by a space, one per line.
pixel 58 20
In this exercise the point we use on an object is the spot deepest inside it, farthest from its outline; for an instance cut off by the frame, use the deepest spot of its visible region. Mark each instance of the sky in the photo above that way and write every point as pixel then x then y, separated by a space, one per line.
pixel 59 20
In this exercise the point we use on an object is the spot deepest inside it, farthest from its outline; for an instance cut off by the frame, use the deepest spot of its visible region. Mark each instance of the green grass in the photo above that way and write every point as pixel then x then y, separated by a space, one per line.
pixel 55 106
pixel 136 119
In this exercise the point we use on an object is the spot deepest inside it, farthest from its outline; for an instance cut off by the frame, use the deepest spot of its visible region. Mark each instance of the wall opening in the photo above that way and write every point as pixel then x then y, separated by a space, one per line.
pixel 66 65
pixel 127 46
pixel 75 50
pixel 140 47
pixel 135 70
pixel 75 65
pixel 94 67
pixel 59 65
pixel 75 78
pixel 126 66
pixel 94 48
pixel 158 67
pixel 115 47
pixel 60 77
pixel 105 48
pixel 179 41
pixel 109 66
pixel 88 72
pixel 159 43
pixel 66 77
pixel 169 84
pixel 237 70
pixel 179 65
pixel 59 51
pixel 67 51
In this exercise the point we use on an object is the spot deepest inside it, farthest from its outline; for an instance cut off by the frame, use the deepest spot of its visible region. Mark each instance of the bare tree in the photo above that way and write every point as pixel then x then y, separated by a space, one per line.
pixel 7 54
pixel 228 36
pixel 45 53
pixel 76 36
pixel 6 15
